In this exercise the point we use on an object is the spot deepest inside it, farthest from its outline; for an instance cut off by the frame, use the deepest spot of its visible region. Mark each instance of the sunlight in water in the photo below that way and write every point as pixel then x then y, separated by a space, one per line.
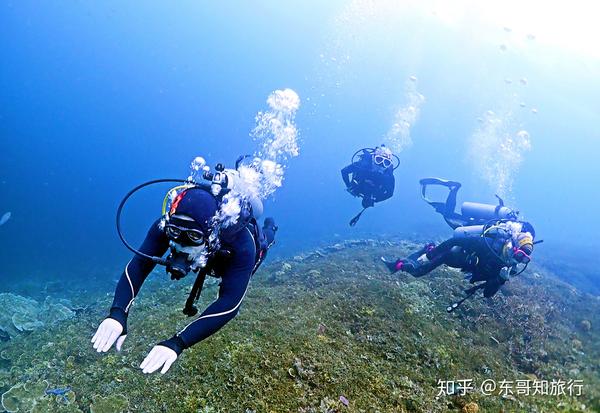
pixel 571 26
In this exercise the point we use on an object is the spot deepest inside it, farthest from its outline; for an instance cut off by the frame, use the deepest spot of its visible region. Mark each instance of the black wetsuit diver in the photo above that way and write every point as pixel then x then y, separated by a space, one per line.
pixel 489 243
pixel 370 177
pixel 186 230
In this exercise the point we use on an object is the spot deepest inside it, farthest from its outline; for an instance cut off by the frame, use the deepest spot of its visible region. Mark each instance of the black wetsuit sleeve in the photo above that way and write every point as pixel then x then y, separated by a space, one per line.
pixel 235 278
pixel 350 169
pixel 387 188
pixel 135 273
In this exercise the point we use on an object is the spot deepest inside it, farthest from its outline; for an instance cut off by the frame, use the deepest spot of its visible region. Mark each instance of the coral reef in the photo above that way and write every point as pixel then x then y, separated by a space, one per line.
pixel 114 403
pixel 329 330
pixel 21 314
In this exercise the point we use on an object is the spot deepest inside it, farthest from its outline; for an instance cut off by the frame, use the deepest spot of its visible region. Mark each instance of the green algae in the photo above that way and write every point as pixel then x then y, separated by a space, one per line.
pixel 330 323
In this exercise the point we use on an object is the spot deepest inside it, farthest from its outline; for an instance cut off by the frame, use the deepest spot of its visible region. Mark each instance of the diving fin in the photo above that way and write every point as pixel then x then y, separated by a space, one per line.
pixel 354 220
pixel 391 265
pixel 446 209
pixel 439 181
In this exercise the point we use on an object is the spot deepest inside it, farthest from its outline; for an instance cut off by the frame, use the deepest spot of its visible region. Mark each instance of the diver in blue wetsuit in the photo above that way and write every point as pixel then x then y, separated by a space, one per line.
pixel 188 231
pixel 370 176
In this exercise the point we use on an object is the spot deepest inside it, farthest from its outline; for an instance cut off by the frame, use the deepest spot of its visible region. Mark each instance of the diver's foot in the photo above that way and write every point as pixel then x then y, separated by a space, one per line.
pixel 425 249
pixel 393 266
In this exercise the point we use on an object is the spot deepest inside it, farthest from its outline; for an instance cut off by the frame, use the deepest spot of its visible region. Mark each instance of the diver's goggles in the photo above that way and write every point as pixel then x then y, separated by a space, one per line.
pixel 382 160
pixel 195 236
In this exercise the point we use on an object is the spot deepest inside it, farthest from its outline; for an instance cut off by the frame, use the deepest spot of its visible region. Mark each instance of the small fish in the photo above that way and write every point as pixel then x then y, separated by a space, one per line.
pixel 5 218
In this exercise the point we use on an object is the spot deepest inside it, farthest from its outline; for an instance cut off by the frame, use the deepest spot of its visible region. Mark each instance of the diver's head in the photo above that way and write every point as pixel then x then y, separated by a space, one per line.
pixel 519 248
pixel 527 227
pixel 382 157
pixel 523 242
pixel 188 227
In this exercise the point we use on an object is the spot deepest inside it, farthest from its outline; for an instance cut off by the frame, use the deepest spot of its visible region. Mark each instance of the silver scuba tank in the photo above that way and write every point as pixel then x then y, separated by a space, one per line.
pixel 486 212
pixel 468 231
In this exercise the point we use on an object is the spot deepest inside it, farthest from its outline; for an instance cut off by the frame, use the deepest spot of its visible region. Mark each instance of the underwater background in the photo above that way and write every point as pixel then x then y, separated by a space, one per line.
pixel 97 97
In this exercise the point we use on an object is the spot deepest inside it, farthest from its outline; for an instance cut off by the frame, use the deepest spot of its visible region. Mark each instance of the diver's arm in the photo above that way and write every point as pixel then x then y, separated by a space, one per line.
pixel 234 284
pixel 493 285
pixel 387 188
pixel 350 169
pixel 135 273
pixel 114 327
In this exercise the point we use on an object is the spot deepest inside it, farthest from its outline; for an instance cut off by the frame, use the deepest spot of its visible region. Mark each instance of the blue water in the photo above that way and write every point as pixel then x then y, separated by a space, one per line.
pixel 96 98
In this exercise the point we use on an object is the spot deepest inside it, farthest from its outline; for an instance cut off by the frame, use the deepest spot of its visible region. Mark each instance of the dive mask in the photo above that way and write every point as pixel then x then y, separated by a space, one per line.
pixel 382 160
pixel 521 256
pixel 185 235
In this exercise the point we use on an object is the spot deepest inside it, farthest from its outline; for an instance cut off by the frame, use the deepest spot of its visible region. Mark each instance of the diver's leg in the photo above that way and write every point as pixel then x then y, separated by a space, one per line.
pixel 410 264
pixel 451 199
pixel 367 197
pixel 430 257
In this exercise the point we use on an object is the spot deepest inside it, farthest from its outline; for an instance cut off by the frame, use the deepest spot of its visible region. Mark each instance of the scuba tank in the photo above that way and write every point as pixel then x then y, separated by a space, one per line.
pixel 468 231
pixel 487 212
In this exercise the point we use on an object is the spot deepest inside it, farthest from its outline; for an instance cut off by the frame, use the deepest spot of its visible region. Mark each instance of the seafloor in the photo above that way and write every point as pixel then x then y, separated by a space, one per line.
pixel 326 331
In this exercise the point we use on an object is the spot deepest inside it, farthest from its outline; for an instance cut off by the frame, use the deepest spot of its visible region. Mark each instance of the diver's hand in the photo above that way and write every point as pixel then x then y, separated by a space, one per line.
pixel 159 356
pixel 109 332
pixel 504 274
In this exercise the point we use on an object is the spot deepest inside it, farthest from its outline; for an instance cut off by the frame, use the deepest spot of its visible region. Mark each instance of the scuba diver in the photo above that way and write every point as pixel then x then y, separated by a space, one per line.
pixel 370 176
pixel 490 243
pixel 198 242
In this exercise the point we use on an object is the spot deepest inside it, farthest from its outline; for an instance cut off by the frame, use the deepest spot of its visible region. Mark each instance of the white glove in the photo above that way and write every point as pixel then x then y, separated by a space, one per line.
pixel 158 356
pixel 108 332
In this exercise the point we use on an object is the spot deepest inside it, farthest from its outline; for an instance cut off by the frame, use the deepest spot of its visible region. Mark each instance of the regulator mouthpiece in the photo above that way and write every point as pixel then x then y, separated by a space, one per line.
pixel 178 265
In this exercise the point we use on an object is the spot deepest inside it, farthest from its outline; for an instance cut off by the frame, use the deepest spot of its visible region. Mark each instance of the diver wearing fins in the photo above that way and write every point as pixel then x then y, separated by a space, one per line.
pixel 370 176
pixel 489 242
pixel 197 244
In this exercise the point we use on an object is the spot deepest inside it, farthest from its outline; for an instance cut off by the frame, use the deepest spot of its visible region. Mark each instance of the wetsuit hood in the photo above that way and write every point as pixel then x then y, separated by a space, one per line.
pixel 198 204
